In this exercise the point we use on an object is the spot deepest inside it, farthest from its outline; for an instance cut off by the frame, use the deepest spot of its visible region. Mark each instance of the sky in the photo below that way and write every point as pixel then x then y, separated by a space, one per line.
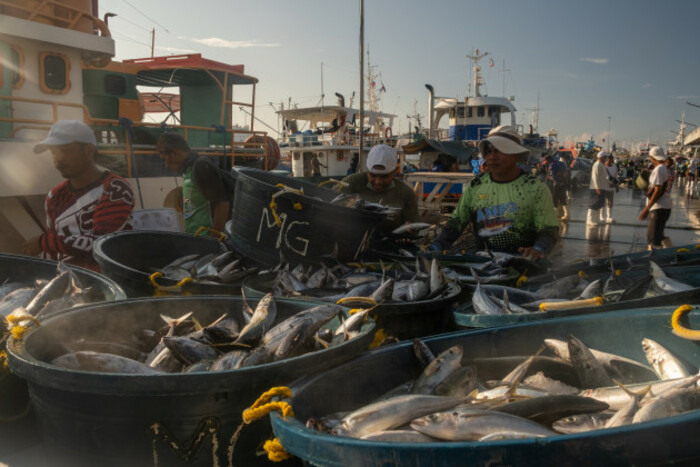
pixel 628 66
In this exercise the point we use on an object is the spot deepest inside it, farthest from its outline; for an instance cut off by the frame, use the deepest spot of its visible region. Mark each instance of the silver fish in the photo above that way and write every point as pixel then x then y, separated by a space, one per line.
pixel 670 403
pixel 469 424
pixel 665 364
pixel 399 436
pixel 260 322
pixel 414 226
pixel 104 363
pixel 662 284
pixel 590 372
pixel 392 413
pixel 582 423
pixel 439 369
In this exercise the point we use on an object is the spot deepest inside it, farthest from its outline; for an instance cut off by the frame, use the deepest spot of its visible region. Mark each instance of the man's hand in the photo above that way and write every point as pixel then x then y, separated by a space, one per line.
pixel 643 215
pixel 530 253
pixel 32 247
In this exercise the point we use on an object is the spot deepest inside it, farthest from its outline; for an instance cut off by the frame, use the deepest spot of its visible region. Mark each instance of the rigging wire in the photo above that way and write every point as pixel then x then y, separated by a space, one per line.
pixel 147 17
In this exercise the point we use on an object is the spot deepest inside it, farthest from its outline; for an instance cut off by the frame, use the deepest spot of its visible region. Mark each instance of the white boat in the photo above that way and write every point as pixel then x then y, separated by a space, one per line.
pixel 59 65
pixel 331 132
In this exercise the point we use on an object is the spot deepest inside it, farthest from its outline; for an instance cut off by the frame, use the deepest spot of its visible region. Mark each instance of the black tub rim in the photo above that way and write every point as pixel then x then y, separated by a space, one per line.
pixel 246 173
pixel 110 283
pixel 98 246
pixel 42 373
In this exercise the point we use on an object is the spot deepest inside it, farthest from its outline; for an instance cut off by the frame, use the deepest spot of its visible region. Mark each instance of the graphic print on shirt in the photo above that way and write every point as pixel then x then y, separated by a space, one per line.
pixel 77 220
pixel 119 190
pixel 493 220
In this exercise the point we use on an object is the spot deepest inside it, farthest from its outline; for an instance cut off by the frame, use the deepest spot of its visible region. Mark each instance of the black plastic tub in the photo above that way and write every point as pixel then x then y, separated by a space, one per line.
pixel 17 427
pixel 130 258
pixel 89 418
pixel 309 226
pixel 667 441
pixel 403 320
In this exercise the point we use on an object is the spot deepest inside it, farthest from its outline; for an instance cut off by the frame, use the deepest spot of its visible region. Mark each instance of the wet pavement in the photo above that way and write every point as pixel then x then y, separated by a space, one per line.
pixel 627 234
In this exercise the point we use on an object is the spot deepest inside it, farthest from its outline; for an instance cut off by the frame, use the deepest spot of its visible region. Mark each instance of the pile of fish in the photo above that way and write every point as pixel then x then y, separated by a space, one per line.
pixel 618 286
pixel 212 268
pixel 354 201
pixel 481 400
pixel 184 345
pixel 425 282
pixel 42 298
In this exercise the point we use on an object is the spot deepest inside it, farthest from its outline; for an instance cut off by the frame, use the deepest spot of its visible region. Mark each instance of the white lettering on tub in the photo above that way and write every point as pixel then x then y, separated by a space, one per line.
pixel 303 240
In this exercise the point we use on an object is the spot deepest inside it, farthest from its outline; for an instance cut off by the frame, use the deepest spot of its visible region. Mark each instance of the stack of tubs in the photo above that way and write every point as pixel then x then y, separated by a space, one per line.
pixel 17 428
pixel 91 418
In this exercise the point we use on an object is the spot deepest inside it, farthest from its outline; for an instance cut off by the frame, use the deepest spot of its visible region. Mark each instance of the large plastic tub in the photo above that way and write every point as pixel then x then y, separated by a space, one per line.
pixel 17 427
pixel 663 441
pixel 90 418
pixel 403 320
pixel 309 226
pixel 466 319
pixel 130 258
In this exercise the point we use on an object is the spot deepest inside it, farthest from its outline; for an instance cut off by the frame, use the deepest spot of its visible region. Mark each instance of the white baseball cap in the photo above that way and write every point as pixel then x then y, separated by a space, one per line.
pixel 602 154
pixel 66 132
pixel 382 159
pixel 657 153
pixel 506 139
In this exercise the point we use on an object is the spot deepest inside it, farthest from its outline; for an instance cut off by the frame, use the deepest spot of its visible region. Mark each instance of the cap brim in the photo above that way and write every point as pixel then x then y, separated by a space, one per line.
pixel 506 146
pixel 44 144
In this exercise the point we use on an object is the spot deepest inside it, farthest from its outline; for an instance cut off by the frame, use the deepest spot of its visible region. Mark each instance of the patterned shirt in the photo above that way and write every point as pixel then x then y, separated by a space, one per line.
pixel 76 217
pixel 505 215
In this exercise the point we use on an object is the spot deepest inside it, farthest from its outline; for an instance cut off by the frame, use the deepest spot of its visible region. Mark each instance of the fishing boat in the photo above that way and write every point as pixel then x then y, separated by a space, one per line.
pixel 660 441
pixel 60 66
pixel 470 121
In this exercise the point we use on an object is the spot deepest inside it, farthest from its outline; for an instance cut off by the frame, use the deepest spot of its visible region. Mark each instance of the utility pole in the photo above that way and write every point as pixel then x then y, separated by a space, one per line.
pixel 609 119
pixel 153 41
pixel 362 81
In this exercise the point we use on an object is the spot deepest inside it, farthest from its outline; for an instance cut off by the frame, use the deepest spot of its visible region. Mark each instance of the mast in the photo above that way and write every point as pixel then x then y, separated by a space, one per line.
pixel 362 78
pixel 478 79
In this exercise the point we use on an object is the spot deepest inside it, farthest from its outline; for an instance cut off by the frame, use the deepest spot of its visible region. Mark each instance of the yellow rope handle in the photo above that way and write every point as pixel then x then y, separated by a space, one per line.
pixel 273 202
pixel 521 280
pixel 261 407
pixel 367 300
pixel 582 274
pixel 682 250
pixel 167 288
pixel 680 330
pixel 275 451
pixel 3 359
pixel 212 231
pixel 15 320
pixel 334 181
pixel 697 247
pixel 548 306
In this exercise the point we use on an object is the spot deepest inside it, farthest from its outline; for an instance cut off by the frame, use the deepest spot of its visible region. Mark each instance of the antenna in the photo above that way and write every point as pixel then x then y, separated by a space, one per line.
pixel 503 70
pixel 478 80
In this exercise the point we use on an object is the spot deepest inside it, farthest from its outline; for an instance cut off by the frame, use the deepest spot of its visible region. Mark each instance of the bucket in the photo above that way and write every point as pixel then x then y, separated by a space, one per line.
pixel 309 226
pixel 165 219
pixel 130 257
pixel 664 441
pixel 17 425
pixel 403 320
pixel 103 419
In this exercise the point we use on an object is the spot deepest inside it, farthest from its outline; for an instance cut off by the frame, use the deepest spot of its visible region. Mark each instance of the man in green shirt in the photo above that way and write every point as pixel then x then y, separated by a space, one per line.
pixel 380 185
pixel 509 209
pixel 205 202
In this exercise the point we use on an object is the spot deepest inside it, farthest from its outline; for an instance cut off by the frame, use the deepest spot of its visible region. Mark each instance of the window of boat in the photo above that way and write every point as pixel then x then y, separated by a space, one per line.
pixel 460 112
pixel 296 156
pixel 341 155
pixel 54 69
pixel 480 111
pixel 17 67
pixel 469 112
pixel 115 85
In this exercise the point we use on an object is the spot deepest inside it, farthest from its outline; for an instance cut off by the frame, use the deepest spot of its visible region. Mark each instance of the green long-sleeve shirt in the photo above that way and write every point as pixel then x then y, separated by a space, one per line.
pixel 505 215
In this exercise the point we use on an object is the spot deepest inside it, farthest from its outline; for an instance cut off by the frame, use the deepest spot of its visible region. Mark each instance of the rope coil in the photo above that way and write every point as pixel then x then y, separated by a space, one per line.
pixel 212 232
pixel 274 205
pixel 261 407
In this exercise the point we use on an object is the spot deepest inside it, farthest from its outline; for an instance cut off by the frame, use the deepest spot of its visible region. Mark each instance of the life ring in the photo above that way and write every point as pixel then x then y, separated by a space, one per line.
pixel 388 133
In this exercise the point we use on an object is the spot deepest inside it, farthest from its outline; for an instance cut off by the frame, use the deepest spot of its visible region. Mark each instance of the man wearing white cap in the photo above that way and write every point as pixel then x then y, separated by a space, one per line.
pixel 659 204
pixel 380 185
pixel 88 204
pixel 509 209
pixel 600 184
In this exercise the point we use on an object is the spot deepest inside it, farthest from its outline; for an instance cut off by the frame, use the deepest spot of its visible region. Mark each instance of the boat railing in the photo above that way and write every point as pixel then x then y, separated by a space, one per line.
pixel 301 140
pixel 75 15
pixel 113 138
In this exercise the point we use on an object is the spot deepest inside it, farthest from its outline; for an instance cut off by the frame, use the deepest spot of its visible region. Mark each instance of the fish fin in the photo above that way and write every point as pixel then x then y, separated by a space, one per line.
pixel 636 394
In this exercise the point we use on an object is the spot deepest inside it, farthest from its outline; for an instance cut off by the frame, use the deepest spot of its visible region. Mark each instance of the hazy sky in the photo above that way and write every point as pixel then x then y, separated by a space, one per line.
pixel 635 61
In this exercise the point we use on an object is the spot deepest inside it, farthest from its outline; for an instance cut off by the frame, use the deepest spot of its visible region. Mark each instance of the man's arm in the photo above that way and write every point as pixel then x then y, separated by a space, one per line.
pixel 656 194
pixel 220 215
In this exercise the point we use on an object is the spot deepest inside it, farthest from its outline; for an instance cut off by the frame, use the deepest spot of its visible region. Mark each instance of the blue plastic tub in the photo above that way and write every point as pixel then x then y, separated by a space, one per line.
pixel 358 382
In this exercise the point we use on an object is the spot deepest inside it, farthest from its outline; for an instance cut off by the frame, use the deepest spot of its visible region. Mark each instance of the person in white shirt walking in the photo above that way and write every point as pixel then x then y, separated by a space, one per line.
pixel 659 204
pixel 606 210
pixel 600 183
